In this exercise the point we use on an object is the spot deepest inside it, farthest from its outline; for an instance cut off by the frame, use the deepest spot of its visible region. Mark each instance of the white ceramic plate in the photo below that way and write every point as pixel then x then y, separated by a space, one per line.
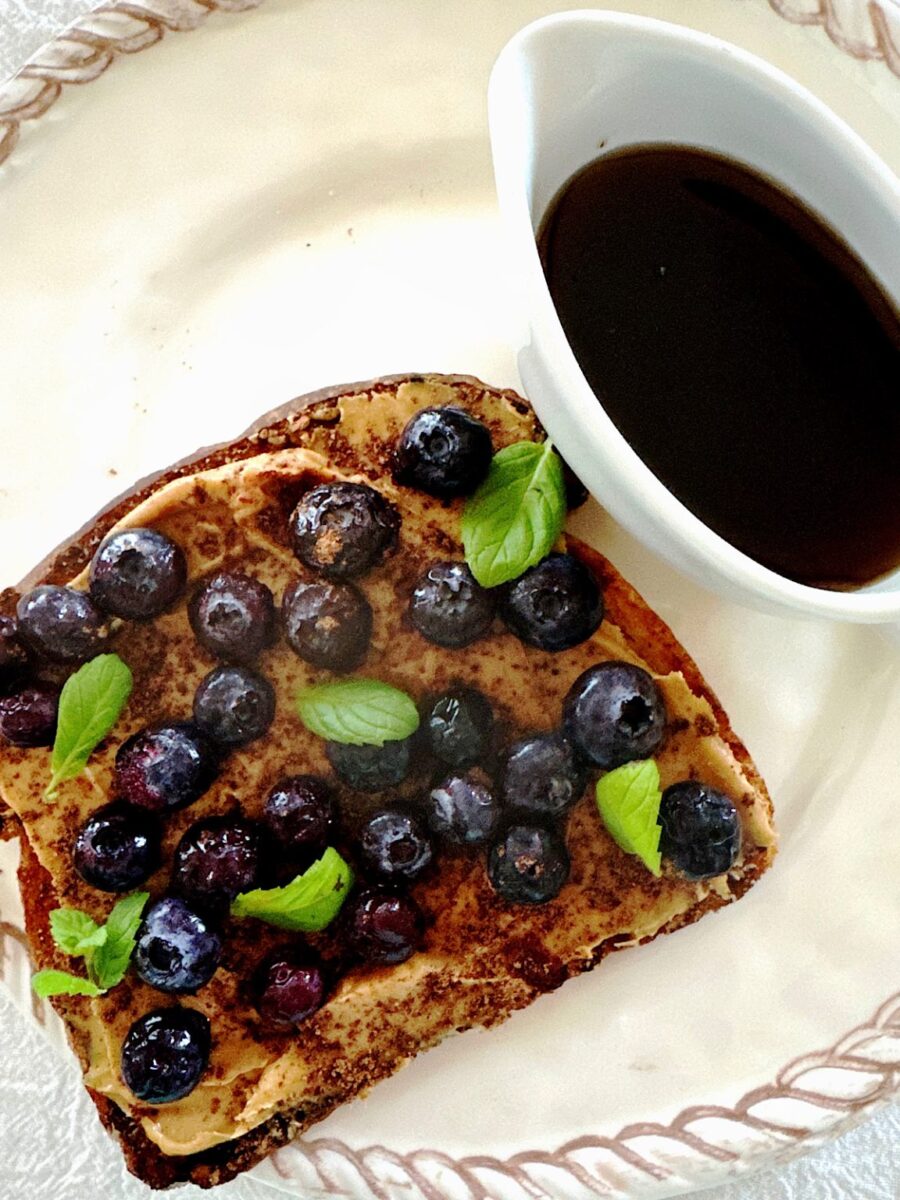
pixel 302 195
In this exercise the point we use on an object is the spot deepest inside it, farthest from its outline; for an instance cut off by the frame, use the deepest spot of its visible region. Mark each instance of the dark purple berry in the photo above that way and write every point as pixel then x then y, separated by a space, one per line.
pixel 449 607
pixel 290 986
pixel 301 814
pixel 343 529
pixel 614 712
pixel 528 864
pixel 165 767
pixel 327 624
pixel 234 705
pixel 176 950
pixel 215 860
pixel 701 830
pixel 576 493
pixel 383 927
pixel 444 452
pixel 13 655
pixel 28 717
pixel 458 727
pixel 165 1054
pixel 117 848
pixel 370 768
pixel 554 605
pixel 396 845
pixel 463 809
pixel 137 573
pixel 61 624
pixel 233 616
pixel 542 776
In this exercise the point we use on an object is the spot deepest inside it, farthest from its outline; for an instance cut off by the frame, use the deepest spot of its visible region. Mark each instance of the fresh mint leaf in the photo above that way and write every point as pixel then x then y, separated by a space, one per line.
pixel 61 983
pixel 110 961
pixel 358 712
pixel 308 903
pixel 74 932
pixel 628 799
pixel 89 705
pixel 516 515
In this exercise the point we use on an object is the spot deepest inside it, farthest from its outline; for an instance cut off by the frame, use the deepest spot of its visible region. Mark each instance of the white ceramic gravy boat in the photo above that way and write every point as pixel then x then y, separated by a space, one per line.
pixel 573 85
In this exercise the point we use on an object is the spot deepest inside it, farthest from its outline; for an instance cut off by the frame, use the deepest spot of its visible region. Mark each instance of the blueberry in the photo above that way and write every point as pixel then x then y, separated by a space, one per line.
pixel 528 864
pixel 396 845
pixel 117 848
pixel 165 1054
pixel 233 616
pixel 449 607
pixel 28 717
pixel 13 655
pixel 165 767
pixel 343 529
pixel 215 860
pixel 234 705
pixel 463 809
pixel 614 712
pixel 137 573
pixel 444 452
pixel 61 624
pixel 701 829
pixel 176 950
pixel 327 624
pixel 383 927
pixel 458 727
pixel 370 768
pixel 554 605
pixel 301 814
pixel 542 776
pixel 576 493
pixel 290 986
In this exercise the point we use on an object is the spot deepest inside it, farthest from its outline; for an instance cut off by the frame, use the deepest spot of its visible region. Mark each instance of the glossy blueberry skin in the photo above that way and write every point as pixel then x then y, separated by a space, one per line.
pixel 529 864
pixel 444 452
pixel 233 616
pixel 13 655
pixel 395 845
pixel 61 624
pixel 28 716
pixel 342 530
pixel 383 927
pixel 370 768
pixel 165 1054
pixel 165 767
pixel 216 859
pixel 176 949
pixel 137 574
pixel 555 605
pixel 301 814
pixel 449 607
pixel 542 776
pixel 458 727
pixel 614 712
pixel 290 986
pixel 701 830
pixel 234 706
pixel 117 848
pixel 463 809
pixel 327 624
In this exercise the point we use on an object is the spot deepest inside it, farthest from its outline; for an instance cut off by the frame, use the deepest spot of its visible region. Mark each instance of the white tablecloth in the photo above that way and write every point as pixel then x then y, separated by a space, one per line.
pixel 51 1144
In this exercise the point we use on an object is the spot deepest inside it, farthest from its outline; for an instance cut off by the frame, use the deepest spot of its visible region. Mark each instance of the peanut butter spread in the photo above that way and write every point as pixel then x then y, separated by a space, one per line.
pixel 235 516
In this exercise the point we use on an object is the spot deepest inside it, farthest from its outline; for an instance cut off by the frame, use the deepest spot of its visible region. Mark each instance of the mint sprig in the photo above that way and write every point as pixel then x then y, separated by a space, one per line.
pixel 308 903
pixel 106 949
pixel 517 513
pixel 89 705
pixel 61 983
pixel 628 799
pixel 358 712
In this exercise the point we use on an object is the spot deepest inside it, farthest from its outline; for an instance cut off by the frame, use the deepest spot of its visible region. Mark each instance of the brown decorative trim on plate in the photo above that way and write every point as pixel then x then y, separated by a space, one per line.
pixel 865 31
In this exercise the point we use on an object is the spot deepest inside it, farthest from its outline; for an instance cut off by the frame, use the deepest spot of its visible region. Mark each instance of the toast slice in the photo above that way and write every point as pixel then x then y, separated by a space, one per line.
pixel 482 958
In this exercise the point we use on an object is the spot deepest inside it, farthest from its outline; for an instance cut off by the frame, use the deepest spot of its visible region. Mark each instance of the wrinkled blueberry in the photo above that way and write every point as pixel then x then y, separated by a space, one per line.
pixel 463 809
pixel 458 727
pixel 396 845
pixel 301 814
pixel 289 986
pixel 614 712
pixel 234 705
pixel 327 624
pixel 165 1054
pixel 165 767
pixel 449 607
pixel 528 864
pixel 542 775
pixel 233 616
pixel 216 859
pixel 343 529
pixel 28 717
pixel 444 452
pixel 176 950
pixel 370 768
pixel 13 655
pixel 383 927
pixel 701 829
pixel 61 623
pixel 117 848
pixel 554 605
pixel 137 573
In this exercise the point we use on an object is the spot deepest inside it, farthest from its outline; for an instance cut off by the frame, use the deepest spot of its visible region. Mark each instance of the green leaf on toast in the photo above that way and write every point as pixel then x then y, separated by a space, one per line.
pixel 358 712
pixel 61 983
pixel 74 932
pixel 308 903
pixel 628 799
pixel 89 705
pixel 110 961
